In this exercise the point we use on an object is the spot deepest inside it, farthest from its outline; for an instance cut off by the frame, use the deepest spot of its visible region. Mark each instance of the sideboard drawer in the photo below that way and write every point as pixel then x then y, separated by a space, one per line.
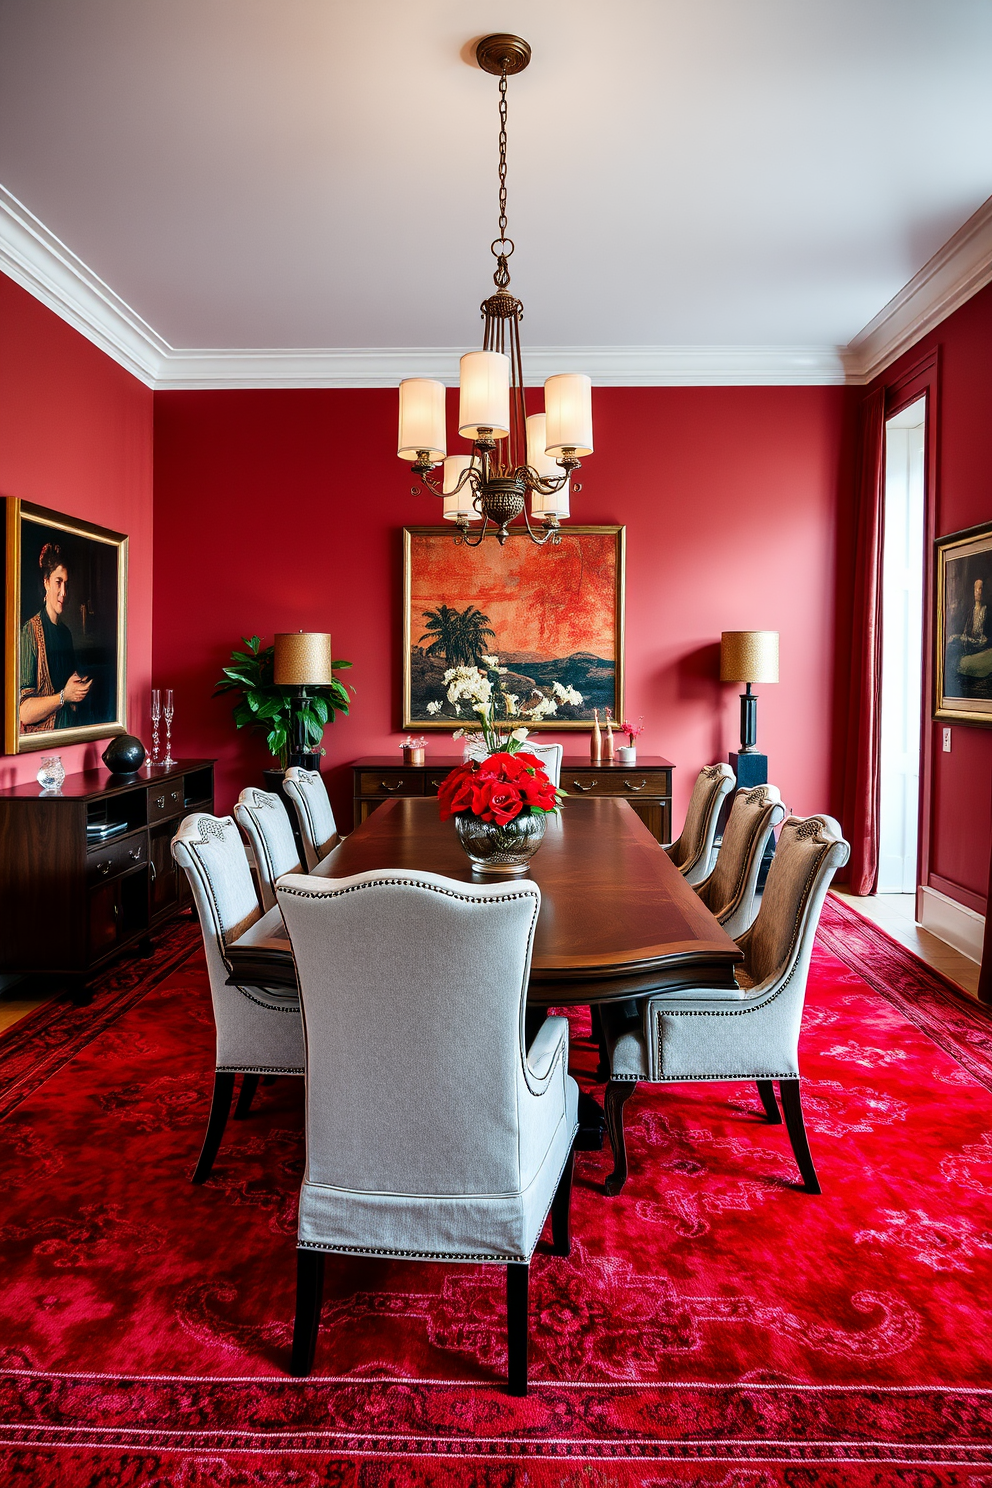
pixel 630 783
pixel 166 801
pixel 434 779
pixel 391 783
pixel 115 858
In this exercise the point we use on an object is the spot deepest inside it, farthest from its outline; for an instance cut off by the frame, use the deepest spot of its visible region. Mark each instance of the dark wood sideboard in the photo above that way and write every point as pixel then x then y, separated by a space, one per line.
pixel 646 785
pixel 72 901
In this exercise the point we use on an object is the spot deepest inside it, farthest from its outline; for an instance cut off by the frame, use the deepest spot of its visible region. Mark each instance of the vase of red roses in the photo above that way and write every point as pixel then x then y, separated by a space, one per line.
pixel 501 806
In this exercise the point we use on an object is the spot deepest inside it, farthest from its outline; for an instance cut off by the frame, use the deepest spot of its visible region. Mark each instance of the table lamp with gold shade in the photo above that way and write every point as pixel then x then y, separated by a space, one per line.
pixel 303 659
pixel 749 656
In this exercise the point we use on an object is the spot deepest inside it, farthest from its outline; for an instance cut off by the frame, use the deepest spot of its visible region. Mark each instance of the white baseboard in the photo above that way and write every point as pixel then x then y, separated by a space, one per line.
pixel 961 927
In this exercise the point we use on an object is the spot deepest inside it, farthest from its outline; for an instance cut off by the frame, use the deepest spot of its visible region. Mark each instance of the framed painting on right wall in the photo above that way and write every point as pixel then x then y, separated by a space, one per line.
pixel 963 626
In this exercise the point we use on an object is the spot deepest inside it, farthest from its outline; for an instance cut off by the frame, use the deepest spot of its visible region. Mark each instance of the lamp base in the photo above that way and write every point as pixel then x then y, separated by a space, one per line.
pixel 304 760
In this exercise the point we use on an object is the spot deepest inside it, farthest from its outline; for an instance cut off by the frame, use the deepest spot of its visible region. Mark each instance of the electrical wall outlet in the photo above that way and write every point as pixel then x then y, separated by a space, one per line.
pixel 947 741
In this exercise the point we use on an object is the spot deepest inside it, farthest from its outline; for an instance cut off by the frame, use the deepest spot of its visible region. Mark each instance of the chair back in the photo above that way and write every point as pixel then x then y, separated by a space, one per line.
pixel 210 850
pixel 307 794
pixel 263 818
pixel 692 850
pixel 550 756
pixel 780 942
pixel 729 890
pixel 413 989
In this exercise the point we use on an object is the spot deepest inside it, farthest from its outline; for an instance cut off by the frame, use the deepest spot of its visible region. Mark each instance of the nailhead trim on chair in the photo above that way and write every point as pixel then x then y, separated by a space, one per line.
pixel 291 1006
pixel 450 1255
pixel 260 1069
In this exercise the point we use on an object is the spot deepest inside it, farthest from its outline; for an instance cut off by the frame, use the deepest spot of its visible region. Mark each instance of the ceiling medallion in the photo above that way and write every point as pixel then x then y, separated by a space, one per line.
pixel 514 457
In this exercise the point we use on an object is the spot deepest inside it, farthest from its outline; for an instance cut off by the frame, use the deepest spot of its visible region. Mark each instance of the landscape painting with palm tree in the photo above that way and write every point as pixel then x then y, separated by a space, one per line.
pixel 549 618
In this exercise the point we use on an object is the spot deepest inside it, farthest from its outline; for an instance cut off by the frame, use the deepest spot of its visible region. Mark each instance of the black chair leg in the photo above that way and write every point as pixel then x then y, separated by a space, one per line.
pixel 792 1106
pixel 766 1089
pixel 618 1093
pixel 517 1280
pixel 249 1084
pixel 309 1295
pixel 220 1108
pixel 561 1211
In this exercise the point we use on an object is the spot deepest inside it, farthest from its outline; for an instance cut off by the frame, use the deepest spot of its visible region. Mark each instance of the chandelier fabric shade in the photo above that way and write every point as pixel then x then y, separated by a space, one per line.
pixel 303 659
pixel 484 401
pixel 422 424
pixel 749 656
pixel 568 407
pixel 514 458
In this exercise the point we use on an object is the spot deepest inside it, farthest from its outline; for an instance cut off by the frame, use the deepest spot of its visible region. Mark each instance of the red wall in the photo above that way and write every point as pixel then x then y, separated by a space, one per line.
pixel 282 509
pixel 961 805
pixel 76 436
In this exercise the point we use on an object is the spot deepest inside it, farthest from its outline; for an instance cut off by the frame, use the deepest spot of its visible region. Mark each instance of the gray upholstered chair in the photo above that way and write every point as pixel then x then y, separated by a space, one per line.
pixel 263 818
pixel 550 756
pixel 728 892
pixel 412 984
pixel 752 1031
pixel 691 852
pixel 259 1030
pixel 307 794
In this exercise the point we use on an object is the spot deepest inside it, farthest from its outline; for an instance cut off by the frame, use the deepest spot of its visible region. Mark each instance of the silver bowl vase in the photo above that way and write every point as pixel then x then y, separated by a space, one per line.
pixel 501 850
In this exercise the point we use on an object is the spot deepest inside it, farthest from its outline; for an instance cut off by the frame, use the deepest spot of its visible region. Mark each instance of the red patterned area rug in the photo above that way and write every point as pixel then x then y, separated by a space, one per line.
pixel 714 1325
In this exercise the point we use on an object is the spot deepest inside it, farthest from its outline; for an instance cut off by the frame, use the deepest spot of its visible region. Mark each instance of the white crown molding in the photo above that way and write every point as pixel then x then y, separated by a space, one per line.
pixel 37 260
pixel 957 271
pixel 40 263
pixel 608 366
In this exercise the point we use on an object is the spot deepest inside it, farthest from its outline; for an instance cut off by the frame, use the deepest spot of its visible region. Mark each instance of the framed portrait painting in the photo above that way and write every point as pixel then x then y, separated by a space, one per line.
pixel 963 630
pixel 553 616
pixel 65 672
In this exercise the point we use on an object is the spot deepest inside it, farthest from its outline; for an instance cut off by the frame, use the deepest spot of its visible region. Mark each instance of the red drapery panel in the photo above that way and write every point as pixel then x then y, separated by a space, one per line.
pixel 864 707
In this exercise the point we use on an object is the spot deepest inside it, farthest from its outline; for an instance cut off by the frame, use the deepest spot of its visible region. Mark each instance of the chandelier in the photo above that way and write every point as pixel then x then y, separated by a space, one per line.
pixel 514 457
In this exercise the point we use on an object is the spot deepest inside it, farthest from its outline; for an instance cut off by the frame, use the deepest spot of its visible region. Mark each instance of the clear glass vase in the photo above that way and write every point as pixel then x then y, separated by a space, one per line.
pixel 52 773
pixel 501 850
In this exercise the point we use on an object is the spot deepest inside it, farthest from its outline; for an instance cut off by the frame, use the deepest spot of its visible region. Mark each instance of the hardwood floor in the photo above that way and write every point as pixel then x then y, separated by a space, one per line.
pixel 896 915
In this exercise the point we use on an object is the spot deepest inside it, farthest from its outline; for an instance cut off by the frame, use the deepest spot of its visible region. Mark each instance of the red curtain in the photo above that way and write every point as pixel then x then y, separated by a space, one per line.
pixel 864 708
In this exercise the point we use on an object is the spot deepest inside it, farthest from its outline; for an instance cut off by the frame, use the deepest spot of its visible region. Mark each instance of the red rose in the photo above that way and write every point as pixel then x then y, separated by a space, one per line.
pixel 504 804
pixel 537 790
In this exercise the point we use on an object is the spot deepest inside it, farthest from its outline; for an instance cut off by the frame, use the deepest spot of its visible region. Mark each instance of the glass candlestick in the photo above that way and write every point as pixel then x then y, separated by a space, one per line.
pixel 156 719
pixel 168 711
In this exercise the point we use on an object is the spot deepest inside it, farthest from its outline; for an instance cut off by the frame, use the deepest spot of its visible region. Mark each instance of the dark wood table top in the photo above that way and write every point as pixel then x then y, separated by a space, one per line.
pixel 449 761
pixel 617 918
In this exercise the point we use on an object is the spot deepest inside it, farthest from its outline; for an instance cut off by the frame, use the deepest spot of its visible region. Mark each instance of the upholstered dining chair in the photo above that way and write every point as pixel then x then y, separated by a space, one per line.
pixel 406 980
pixel 550 756
pixel 750 1032
pixel 307 794
pixel 692 850
pixel 259 1030
pixel 728 892
pixel 263 818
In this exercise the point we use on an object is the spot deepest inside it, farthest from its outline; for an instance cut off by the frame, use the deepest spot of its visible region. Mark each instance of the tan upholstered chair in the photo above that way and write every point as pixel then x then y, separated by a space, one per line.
pixel 750 1032
pixel 691 852
pixel 263 818
pixel 411 984
pixel 307 794
pixel 728 892
pixel 259 1031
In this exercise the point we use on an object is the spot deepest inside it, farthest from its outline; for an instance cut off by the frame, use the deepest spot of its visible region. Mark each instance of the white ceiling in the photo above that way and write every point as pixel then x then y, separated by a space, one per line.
pixel 321 173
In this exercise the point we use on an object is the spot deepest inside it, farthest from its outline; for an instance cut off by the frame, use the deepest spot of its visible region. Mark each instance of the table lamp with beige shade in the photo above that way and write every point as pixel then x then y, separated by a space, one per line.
pixel 302 659
pixel 749 656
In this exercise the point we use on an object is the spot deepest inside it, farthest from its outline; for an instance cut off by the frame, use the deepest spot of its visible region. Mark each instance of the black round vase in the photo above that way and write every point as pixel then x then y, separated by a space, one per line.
pixel 124 755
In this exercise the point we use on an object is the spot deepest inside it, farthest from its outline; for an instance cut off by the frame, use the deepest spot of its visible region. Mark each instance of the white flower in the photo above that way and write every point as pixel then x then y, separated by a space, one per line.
pixel 459 734
pixel 519 733
pixel 492 662
pixel 543 709
pixel 566 694
pixel 433 707
pixel 511 703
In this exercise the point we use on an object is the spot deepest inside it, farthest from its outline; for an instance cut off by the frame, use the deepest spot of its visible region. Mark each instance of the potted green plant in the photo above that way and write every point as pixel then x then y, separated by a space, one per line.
pixel 272 710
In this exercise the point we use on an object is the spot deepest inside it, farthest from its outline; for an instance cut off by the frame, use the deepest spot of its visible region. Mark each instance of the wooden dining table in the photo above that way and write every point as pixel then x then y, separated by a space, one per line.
pixel 617 919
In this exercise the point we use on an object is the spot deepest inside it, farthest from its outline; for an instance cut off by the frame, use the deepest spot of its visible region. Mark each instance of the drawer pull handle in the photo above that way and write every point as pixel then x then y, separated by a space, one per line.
pixel 580 787
pixel 631 787
pixel 175 795
pixel 160 802
pixel 386 787
pixel 104 868
pixel 134 854
pixel 154 871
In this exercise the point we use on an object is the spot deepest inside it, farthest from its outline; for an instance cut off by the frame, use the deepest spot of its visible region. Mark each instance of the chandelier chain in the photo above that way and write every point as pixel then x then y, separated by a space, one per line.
pixel 502 246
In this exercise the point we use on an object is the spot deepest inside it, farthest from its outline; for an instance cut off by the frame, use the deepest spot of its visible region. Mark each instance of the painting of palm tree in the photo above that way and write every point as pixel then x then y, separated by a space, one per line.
pixel 459 637
pixel 547 622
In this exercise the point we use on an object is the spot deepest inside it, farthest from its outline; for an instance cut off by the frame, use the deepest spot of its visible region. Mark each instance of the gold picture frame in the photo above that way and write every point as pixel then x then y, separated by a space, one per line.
pixel 94 601
pixel 963 626
pixel 543 599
